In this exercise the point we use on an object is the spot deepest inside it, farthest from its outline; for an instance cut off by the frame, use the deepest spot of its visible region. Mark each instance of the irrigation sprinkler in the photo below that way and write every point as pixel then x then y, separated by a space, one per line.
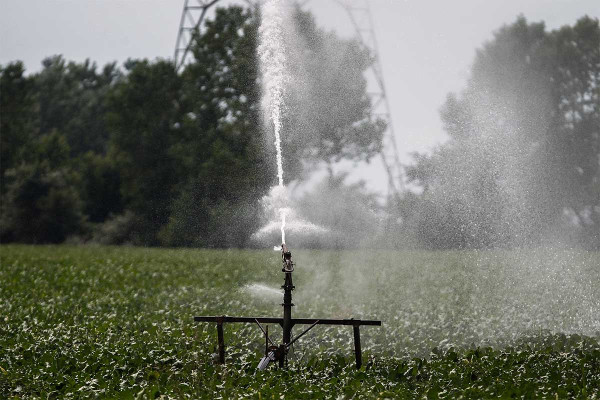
pixel 279 353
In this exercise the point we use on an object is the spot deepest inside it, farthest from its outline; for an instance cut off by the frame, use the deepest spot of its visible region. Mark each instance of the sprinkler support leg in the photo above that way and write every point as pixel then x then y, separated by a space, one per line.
pixel 221 340
pixel 357 349
pixel 267 340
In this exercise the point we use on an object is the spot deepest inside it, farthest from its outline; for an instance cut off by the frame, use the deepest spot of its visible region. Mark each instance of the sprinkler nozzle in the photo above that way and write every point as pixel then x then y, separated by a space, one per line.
pixel 286 258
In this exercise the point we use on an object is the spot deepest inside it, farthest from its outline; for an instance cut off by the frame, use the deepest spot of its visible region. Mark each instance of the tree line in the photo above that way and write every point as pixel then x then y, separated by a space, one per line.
pixel 148 155
pixel 522 165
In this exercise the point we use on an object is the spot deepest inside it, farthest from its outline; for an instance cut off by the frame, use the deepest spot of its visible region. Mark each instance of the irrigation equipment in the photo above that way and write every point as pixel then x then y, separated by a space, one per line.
pixel 279 353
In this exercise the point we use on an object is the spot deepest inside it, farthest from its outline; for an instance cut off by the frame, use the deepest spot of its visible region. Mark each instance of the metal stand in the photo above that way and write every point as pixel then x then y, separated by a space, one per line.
pixel 279 353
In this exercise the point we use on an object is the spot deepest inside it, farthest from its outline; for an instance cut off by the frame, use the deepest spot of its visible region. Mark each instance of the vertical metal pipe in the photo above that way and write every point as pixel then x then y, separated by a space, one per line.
pixel 287 313
pixel 287 309
pixel 267 340
pixel 357 349
pixel 221 340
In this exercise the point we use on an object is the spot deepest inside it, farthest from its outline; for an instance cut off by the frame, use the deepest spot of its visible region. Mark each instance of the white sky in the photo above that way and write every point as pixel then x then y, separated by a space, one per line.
pixel 425 46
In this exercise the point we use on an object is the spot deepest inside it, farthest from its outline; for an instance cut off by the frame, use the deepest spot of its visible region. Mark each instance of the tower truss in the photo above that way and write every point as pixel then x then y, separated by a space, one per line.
pixel 192 15
pixel 359 12
pixel 191 22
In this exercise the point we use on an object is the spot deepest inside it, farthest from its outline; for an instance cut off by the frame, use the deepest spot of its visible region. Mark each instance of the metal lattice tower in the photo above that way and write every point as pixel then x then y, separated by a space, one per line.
pixel 194 12
pixel 362 21
pixel 191 21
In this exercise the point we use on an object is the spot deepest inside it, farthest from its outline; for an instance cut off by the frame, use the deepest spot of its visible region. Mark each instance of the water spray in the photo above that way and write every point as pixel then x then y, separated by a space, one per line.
pixel 272 58
pixel 271 52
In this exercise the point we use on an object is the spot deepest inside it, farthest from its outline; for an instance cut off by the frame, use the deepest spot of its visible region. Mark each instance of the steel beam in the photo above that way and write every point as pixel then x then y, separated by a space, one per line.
pixel 295 321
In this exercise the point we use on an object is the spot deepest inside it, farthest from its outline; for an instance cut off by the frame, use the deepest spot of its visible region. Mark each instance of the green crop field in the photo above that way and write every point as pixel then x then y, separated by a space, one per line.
pixel 117 322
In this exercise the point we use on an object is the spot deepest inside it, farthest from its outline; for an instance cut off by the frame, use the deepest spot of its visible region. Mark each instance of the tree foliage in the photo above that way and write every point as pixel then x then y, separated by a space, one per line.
pixel 522 163
pixel 328 114
pixel 41 203
pixel 71 98
pixel 224 168
pixel 149 155
pixel 17 122
pixel 143 116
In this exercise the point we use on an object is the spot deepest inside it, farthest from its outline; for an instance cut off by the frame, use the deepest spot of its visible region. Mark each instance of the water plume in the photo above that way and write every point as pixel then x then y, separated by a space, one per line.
pixel 278 204
pixel 262 291
pixel 271 51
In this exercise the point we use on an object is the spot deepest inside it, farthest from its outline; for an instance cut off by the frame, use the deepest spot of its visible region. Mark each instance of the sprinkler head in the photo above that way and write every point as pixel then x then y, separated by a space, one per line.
pixel 286 257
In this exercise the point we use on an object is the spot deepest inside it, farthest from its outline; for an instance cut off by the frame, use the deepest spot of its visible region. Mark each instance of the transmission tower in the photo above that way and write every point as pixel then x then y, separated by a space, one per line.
pixel 191 21
pixel 359 12
pixel 362 21
pixel 192 16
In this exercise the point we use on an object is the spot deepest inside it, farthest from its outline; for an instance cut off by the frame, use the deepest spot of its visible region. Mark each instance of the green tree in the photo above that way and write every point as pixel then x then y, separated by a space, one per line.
pixel 328 118
pixel 100 186
pixel 221 146
pixel 143 116
pixel 524 144
pixel 71 98
pixel 573 149
pixel 328 114
pixel 42 204
pixel 68 98
pixel 176 159
pixel 18 122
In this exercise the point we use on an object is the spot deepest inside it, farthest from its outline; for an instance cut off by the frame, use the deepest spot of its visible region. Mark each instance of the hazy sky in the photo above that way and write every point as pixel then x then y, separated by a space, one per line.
pixel 425 46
